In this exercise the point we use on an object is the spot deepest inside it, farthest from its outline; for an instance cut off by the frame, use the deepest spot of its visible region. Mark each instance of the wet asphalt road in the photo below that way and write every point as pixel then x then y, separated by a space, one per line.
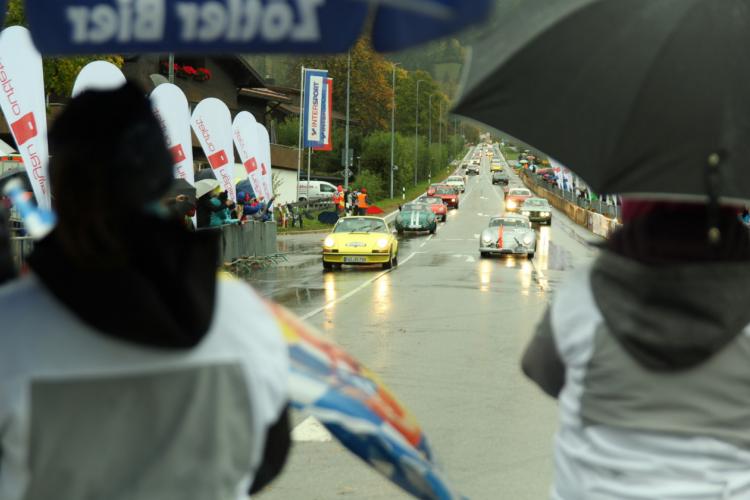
pixel 445 330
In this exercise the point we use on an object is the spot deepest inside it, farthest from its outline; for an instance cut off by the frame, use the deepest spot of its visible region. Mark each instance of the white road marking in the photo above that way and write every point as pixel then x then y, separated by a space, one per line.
pixel 541 278
pixel 476 236
pixel 311 430
pixel 469 258
pixel 352 293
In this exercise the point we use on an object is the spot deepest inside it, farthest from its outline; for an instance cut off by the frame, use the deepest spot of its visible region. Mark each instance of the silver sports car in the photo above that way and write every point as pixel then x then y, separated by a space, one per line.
pixel 508 234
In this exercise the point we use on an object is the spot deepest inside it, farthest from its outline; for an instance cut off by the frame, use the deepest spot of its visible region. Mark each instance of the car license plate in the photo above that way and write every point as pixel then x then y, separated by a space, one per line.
pixel 355 260
pixel 414 226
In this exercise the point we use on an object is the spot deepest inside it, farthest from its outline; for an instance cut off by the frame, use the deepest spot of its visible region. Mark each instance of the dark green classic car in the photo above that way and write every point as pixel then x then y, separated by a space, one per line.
pixel 416 217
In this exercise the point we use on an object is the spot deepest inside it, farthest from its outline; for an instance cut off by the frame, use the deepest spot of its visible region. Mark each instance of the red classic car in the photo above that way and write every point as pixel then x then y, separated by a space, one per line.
pixel 437 206
pixel 515 198
pixel 448 194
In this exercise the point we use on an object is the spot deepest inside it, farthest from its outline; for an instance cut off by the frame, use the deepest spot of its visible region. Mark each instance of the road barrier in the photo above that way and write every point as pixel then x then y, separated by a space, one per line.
pixel 253 240
pixel 579 211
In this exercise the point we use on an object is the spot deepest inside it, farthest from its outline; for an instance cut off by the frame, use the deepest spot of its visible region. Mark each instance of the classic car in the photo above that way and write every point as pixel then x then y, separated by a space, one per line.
pixel 448 194
pixel 456 181
pixel 508 234
pixel 500 178
pixel 497 166
pixel 360 240
pixel 537 210
pixel 416 217
pixel 472 170
pixel 515 198
pixel 436 205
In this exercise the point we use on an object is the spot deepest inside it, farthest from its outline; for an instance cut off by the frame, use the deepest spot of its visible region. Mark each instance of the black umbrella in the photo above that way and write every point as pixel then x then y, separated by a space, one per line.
pixel 328 217
pixel 182 187
pixel 636 96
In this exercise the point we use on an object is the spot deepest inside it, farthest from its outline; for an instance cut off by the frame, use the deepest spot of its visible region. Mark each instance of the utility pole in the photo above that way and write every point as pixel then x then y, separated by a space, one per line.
pixel 416 140
pixel 429 135
pixel 171 67
pixel 346 133
pixel 393 124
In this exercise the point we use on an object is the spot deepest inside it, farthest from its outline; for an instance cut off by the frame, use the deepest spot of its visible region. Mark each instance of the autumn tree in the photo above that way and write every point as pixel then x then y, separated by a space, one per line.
pixel 59 72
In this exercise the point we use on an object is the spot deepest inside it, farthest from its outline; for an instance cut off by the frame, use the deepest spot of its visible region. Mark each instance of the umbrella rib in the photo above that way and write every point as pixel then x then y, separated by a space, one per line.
pixel 427 7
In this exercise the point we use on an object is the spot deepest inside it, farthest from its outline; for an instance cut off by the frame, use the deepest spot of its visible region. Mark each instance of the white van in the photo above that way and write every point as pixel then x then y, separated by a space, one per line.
pixel 316 191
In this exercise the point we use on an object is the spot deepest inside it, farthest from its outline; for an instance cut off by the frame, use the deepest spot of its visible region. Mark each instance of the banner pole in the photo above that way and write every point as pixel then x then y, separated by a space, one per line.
pixel 301 115
pixel 309 156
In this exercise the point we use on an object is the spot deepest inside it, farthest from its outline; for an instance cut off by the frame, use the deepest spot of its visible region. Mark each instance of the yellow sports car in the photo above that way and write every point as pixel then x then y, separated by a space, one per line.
pixel 358 241
pixel 497 166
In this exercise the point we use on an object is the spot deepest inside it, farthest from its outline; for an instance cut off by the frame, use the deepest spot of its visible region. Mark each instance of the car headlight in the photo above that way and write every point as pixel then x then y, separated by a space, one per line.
pixel 453 199
pixel 545 214
pixel 328 242
pixel 382 243
pixel 526 213
pixel 487 239
pixel 512 204
pixel 527 240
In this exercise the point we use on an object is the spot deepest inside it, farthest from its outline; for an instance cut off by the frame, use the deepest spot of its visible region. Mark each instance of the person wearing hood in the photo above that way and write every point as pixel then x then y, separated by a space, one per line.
pixel 127 368
pixel 647 352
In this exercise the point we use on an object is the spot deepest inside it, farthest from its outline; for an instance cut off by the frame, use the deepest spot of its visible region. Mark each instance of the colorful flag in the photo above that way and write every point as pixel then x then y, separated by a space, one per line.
pixel 23 106
pixel 314 110
pixel 327 118
pixel 212 124
pixel 172 110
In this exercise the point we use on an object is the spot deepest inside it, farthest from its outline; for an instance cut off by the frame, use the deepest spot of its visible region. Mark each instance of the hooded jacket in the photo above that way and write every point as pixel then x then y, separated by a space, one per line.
pixel 649 363
pixel 135 380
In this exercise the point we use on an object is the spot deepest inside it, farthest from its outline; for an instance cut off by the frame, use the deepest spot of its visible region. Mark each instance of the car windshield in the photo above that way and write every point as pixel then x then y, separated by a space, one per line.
pixel 360 225
pixel 445 190
pixel 430 200
pixel 519 192
pixel 455 179
pixel 536 202
pixel 415 207
pixel 508 223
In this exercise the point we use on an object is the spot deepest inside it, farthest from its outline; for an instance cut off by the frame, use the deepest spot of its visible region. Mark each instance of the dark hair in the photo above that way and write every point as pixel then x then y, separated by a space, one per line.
pixel 109 162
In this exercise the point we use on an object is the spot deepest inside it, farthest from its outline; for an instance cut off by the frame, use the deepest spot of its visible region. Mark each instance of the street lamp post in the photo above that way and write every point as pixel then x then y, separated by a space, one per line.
pixel 416 139
pixel 429 135
pixel 393 124
pixel 346 133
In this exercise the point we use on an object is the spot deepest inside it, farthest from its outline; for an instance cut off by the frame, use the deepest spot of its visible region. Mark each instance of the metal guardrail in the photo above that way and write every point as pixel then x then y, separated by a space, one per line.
pixel 598 206
pixel 251 240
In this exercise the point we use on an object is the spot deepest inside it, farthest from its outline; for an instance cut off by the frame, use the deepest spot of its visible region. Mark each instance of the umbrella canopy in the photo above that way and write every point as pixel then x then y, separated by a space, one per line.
pixel 359 411
pixel 328 217
pixel 246 187
pixel 286 26
pixel 205 186
pixel 647 104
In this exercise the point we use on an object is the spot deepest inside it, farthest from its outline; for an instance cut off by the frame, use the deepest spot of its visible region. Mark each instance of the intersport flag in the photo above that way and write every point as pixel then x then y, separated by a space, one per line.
pixel 23 105
pixel 314 107
pixel 264 144
pixel 98 75
pixel 247 142
pixel 173 112
pixel 327 118
pixel 212 124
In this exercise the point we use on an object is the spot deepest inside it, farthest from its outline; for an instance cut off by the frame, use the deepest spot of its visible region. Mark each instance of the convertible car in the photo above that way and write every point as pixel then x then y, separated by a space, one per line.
pixel 416 217
pixel 360 240
pixel 515 198
pixel 537 210
pixel 436 205
pixel 508 235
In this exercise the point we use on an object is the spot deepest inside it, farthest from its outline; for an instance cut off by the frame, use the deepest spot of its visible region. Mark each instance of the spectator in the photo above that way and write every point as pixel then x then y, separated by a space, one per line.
pixel 647 351
pixel 127 369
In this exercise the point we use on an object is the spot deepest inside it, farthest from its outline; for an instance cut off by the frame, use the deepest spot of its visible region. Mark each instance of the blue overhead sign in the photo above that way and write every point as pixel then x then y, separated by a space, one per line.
pixel 237 26
pixel 126 26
